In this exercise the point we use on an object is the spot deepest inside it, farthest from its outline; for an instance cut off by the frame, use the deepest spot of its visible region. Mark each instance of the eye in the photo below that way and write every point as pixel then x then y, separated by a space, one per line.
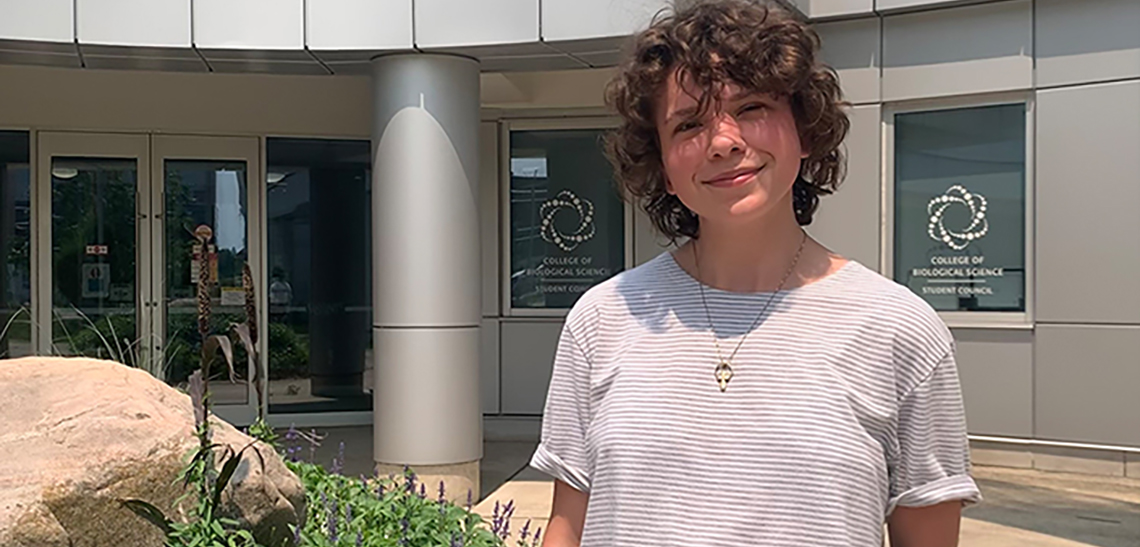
pixel 686 125
pixel 750 107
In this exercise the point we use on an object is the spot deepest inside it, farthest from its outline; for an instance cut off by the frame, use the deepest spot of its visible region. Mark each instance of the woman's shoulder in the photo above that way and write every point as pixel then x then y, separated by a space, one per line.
pixel 611 299
pixel 918 336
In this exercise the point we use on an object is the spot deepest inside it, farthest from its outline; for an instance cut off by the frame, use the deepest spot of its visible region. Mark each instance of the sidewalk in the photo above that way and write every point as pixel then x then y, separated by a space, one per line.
pixel 1022 508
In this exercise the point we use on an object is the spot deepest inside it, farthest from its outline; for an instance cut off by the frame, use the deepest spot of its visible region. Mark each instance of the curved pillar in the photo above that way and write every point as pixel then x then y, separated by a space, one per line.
pixel 426 268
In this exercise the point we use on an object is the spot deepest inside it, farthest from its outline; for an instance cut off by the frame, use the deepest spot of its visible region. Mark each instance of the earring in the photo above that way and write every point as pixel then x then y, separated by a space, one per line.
pixel 802 201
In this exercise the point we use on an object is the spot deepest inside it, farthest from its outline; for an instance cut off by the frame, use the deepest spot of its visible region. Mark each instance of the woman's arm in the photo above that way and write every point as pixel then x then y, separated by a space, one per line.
pixel 933 526
pixel 567 517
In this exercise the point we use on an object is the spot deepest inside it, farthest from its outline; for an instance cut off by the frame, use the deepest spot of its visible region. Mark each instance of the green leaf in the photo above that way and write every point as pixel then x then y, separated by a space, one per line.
pixel 149 512
pixel 216 342
pixel 228 469
pixel 242 330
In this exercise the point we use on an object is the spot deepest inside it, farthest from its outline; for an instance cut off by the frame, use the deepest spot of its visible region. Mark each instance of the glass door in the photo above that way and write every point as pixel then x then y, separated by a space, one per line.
pixel 206 186
pixel 119 259
pixel 92 303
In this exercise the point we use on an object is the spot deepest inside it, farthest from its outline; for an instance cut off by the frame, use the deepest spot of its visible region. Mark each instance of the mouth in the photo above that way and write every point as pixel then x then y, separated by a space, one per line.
pixel 734 178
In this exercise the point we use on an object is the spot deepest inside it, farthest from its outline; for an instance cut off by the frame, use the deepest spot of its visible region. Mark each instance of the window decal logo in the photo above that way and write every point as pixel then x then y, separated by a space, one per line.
pixel 958 196
pixel 567 200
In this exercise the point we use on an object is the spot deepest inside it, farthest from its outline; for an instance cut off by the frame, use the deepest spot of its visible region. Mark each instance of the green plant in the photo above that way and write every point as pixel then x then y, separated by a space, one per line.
pixel 387 512
pixel 288 353
pixel 206 527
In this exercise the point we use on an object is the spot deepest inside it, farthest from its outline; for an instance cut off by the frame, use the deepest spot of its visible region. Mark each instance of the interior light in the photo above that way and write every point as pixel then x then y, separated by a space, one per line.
pixel 65 173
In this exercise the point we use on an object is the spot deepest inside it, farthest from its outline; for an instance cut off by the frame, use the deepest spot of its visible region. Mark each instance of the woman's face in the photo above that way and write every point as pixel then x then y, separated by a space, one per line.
pixel 736 162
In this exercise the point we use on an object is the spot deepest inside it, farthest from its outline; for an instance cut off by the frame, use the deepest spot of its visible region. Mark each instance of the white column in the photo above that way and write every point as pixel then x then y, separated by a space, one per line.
pixel 426 268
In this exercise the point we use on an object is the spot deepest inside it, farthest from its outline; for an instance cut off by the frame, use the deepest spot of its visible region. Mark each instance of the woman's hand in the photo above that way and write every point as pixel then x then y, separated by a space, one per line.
pixel 567 517
pixel 934 526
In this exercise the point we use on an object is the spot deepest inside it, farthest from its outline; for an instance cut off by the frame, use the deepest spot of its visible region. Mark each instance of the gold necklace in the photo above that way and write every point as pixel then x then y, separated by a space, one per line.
pixel 723 372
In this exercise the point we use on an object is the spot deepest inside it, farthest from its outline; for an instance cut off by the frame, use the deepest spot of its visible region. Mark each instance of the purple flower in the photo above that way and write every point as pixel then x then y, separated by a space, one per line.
pixel 525 530
pixel 359 538
pixel 297 534
pixel 404 531
pixel 332 522
pixel 441 492
pixel 468 500
pixel 423 490
pixel 537 535
pixel 338 461
pixel 456 541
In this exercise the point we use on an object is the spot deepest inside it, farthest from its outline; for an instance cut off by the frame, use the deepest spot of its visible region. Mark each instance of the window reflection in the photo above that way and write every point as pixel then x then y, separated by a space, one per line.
pixel 960 207
pixel 567 222
pixel 15 273
pixel 320 261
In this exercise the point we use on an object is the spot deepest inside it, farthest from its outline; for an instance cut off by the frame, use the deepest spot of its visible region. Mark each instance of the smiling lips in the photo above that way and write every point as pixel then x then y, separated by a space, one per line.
pixel 733 178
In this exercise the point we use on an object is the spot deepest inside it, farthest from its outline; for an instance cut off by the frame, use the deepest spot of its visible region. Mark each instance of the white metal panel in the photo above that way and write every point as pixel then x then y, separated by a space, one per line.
pixel 458 23
pixel 1087 41
pixel 145 23
pixel 887 5
pixel 848 221
pixel 249 24
pixel 359 24
pixel 580 19
pixel 1085 380
pixel 647 243
pixel 489 214
pixel 852 49
pixel 489 366
pixel 975 49
pixel 995 367
pixel 1088 251
pixel 41 20
pixel 527 360
pixel 836 8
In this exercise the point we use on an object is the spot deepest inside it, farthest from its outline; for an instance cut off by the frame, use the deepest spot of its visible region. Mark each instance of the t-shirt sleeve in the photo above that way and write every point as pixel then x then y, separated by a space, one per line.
pixel 932 463
pixel 562 450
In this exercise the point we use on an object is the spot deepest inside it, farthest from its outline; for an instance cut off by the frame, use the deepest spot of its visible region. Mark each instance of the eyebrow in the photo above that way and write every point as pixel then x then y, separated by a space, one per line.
pixel 688 111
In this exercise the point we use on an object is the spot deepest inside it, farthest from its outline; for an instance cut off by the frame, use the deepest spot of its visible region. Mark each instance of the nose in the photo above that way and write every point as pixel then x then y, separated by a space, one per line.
pixel 725 139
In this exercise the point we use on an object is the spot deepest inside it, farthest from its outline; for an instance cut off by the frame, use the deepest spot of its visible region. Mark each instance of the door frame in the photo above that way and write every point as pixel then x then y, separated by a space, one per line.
pixel 150 152
pixel 50 144
pixel 219 148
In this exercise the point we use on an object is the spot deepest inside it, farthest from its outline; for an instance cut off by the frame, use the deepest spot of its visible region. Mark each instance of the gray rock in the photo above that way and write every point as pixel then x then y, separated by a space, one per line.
pixel 78 435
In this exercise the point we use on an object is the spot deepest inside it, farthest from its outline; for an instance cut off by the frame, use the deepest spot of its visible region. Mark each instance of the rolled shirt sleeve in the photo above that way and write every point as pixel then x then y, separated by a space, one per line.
pixel 932 460
pixel 562 451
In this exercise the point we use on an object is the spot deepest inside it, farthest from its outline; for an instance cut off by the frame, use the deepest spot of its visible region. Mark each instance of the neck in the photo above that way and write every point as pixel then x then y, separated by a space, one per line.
pixel 749 258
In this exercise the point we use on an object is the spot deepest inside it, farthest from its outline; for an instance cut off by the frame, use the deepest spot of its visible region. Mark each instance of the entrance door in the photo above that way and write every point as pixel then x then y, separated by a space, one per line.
pixel 116 244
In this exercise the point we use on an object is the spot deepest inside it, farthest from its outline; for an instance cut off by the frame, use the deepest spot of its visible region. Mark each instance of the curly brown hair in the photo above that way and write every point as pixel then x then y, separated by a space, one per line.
pixel 761 48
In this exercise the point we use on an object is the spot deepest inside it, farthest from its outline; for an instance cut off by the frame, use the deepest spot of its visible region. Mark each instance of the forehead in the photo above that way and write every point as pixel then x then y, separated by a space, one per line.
pixel 681 96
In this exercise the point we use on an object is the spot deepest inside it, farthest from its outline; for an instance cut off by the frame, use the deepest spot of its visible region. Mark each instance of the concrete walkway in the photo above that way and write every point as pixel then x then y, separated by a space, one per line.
pixel 1022 508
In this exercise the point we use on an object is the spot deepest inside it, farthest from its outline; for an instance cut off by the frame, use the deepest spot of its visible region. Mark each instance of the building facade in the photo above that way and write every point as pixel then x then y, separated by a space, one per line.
pixel 418 190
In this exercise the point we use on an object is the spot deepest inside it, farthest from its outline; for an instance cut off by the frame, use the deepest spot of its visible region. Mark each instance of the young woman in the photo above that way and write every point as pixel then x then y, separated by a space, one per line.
pixel 750 388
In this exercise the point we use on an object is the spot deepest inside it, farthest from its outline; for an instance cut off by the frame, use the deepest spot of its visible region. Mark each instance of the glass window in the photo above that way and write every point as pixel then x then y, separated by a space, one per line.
pixel 567 224
pixel 960 207
pixel 320 268
pixel 15 246
pixel 210 194
pixel 94 256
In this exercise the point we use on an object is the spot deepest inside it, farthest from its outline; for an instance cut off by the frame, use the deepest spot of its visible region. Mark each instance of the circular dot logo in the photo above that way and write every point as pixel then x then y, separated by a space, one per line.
pixel 958 196
pixel 566 200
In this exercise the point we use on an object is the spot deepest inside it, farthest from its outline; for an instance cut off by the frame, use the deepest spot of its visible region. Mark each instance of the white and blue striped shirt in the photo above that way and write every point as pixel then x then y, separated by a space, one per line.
pixel 845 403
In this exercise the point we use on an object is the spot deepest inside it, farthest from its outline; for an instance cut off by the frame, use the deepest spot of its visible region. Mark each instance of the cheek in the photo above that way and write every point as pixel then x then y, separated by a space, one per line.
pixel 681 161
pixel 778 137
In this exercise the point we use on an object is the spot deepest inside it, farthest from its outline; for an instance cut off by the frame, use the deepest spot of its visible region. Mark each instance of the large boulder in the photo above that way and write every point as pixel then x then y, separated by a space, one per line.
pixel 78 435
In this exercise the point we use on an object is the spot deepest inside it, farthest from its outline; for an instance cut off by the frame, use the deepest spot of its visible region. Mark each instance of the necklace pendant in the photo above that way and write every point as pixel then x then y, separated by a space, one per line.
pixel 723 375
